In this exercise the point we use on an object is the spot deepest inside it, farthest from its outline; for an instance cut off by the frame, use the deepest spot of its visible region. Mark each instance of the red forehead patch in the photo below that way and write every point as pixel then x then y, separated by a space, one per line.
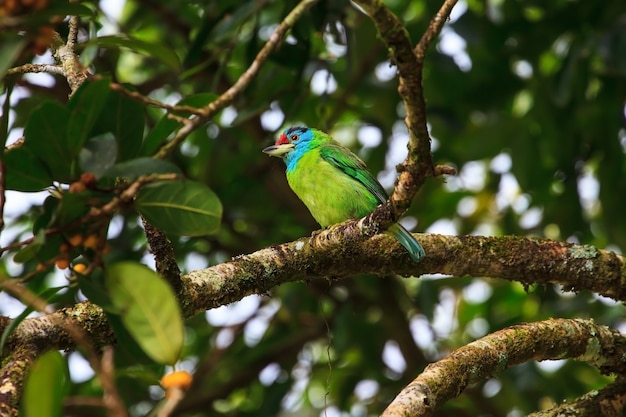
pixel 282 139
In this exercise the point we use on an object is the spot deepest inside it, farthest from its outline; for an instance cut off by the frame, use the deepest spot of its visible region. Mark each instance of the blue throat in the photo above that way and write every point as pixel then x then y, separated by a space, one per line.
pixel 292 158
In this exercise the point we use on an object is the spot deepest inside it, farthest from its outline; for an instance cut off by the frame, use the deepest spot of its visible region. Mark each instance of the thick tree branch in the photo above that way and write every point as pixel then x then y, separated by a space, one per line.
pixel 524 260
pixel 551 339
pixel 12 377
pixel 609 401
pixel 336 252
pixel 164 256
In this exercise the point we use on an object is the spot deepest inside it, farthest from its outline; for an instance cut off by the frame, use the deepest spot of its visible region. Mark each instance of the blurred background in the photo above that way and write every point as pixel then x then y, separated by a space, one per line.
pixel 526 99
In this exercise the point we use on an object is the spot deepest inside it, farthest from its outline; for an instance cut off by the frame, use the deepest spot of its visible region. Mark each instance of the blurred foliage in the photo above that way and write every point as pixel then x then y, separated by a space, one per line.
pixel 525 98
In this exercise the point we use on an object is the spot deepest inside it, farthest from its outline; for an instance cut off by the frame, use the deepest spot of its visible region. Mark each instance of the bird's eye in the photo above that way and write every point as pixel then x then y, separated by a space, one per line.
pixel 294 137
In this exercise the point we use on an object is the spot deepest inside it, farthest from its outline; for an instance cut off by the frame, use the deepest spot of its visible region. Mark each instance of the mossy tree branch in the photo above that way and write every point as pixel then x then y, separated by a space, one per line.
pixel 551 339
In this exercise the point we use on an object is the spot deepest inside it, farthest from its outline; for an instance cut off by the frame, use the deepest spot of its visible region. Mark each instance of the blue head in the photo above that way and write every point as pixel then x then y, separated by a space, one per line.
pixel 292 144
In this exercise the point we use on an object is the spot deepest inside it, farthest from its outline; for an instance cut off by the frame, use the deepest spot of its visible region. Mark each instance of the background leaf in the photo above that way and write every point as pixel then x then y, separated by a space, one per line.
pixel 46 137
pixel 125 119
pixel 11 44
pixel 85 105
pixel 135 168
pixel 98 154
pixel 152 49
pixel 25 172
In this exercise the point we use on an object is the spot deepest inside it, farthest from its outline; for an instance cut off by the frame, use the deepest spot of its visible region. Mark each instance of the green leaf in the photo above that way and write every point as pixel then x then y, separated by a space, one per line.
pixel 47 211
pixel 46 137
pixel 94 288
pixel 10 48
pixel 46 386
pixel 24 171
pixel 133 354
pixel 53 11
pixel 124 118
pixel 98 154
pixel 135 168
pixel 71 207
pixel 30 251
pixel 180 207
pixel 4 117
pixel 226 28
pixel 166 126
pixel 149 309
pixel 153 50
pixel 85 105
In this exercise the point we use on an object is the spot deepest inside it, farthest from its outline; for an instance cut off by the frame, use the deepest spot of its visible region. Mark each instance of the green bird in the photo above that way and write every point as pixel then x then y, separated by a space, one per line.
pixel 332 181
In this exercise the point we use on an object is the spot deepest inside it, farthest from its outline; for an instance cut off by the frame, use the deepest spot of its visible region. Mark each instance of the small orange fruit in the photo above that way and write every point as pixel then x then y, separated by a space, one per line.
pixel 92 242
pixel 75 240
pixel 176 379
pixel 62 263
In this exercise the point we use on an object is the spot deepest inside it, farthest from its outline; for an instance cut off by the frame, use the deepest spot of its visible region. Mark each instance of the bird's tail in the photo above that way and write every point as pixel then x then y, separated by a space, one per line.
pixel 407 240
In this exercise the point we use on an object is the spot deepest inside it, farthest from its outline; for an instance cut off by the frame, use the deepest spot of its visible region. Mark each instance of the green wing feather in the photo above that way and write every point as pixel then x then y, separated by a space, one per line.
pixel 351 165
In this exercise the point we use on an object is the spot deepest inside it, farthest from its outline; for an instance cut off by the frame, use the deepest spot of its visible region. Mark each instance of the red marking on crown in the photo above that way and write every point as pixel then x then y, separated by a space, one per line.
pixel 282 139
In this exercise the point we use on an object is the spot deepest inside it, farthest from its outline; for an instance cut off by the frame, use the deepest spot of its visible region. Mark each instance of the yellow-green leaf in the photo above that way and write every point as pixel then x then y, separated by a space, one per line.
pixel 148 309
pixel 46 386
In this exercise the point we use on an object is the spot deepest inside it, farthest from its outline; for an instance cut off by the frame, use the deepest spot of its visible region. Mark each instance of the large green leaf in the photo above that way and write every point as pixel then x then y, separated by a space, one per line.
pixel 166 126
pixel 46 386
pixel 125 119
pixel 24 171
pixel 85 105
pixel 135 168
pixel 180 207
pixel 46 137
pixel 148 309
pixel 152 49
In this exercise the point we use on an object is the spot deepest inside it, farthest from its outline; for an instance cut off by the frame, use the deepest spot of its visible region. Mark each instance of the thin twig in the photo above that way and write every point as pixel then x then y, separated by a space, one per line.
pixel 155 103
pixel 72 34
pixel 434 27
pixel 64 54
pixel 36 68
pixel 244 80
pixel 125 197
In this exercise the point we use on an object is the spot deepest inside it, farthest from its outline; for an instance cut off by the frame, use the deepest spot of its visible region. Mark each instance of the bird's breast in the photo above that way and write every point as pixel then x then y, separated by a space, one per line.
pixel 331 195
